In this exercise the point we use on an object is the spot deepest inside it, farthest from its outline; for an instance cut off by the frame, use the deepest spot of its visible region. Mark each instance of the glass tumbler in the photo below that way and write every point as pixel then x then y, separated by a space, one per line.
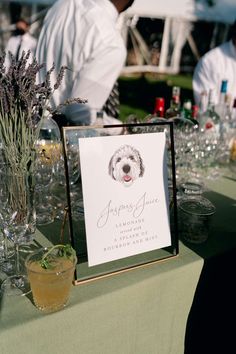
pixel 195 214
pixel 50 287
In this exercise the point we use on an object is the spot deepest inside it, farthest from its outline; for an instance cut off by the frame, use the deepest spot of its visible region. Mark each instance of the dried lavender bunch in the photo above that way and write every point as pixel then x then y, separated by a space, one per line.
pixel 18 87
pixel 23 102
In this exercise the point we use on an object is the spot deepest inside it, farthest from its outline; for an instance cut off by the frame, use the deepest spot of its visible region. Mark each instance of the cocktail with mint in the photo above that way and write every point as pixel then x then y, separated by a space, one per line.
pixel 51 272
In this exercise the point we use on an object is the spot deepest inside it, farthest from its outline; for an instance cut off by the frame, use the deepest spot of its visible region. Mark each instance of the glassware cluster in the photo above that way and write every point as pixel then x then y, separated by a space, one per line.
pixel 205 135
pixel 205 146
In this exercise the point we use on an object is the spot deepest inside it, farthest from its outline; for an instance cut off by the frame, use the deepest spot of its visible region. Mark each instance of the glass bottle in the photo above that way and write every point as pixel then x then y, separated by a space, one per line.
pixel 209 121
pixel 194 112
pixel 183 120
pixel 209 140
pixel 192 116
pixel 187 109
pixel 158 112
pixel 159 109
pixel 189 113
pixel 174 109
pixel 49 145
pixel 220 107
pixel 203 103
pixel 226 119
pixel 49 130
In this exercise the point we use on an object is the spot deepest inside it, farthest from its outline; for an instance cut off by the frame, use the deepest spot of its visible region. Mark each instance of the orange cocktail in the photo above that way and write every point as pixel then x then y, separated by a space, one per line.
pixel 50 287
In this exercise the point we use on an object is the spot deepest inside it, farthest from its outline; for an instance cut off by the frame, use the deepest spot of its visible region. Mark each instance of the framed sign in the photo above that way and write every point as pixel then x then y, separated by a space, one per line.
pixel 121 194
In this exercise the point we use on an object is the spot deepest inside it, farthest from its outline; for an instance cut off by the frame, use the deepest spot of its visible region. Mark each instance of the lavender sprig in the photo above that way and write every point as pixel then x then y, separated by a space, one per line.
pixel 23 103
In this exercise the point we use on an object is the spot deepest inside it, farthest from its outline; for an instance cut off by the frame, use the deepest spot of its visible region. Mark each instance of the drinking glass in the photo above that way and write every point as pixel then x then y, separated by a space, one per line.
pixel 49 154
pixel 43 181
pixel 73 164
pixel 57 189
pixel 50 286
pixel 185 131
pixel 195 214
pixel 16 214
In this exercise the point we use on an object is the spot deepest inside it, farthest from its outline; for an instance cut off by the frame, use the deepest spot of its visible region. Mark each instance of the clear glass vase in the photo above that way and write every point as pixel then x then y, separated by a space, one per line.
pixel 18 220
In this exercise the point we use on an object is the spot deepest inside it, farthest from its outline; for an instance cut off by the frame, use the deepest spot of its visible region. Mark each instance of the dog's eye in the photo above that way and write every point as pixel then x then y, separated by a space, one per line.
pixel 131 157
pixel 118 160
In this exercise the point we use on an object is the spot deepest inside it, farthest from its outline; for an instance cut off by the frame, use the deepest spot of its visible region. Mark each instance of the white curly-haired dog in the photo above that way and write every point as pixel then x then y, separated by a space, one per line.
pixel 126 165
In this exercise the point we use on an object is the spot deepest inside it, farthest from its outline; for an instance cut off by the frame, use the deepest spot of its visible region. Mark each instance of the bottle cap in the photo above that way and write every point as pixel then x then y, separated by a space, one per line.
pixel 187 104
pixel 175 91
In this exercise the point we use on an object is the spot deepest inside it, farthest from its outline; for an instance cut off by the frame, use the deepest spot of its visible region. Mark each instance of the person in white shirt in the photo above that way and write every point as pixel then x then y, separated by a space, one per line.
pixel 216 65
pixel 20 41
pixel 82 35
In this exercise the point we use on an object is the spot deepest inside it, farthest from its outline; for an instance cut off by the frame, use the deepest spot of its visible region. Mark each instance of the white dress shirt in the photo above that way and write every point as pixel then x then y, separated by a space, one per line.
pixel 216 65
pixel 82 35
pixel 25 41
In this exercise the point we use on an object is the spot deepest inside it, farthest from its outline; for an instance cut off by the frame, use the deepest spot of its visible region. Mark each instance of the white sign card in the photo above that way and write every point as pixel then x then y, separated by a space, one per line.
pixel 125 193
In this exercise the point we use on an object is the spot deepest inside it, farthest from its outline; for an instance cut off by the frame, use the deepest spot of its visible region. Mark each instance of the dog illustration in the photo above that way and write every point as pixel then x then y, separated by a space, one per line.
pixel 126 165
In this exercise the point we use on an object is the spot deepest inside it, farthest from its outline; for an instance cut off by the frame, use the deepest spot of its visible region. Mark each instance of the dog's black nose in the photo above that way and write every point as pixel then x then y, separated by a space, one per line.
pixel 126 168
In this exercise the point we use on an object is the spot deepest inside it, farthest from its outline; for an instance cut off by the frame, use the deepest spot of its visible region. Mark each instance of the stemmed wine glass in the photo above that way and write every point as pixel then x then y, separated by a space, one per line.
pixel 16 216
pixel 73 164
pixel 43 179
pixel 48 163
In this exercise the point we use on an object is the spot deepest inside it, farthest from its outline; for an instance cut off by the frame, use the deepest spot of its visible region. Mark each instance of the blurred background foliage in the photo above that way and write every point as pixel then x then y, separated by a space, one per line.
pixel 138 93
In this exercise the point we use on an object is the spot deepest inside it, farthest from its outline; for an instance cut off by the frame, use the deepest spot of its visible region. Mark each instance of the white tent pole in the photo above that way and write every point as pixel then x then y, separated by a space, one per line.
pixel 137 53
pixel 142 45
pixel 165 45
pixel 193 46
pixel 178 44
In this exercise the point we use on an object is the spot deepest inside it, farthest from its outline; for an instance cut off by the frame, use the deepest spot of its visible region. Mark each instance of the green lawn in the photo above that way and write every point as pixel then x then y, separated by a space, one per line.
pixel 137 94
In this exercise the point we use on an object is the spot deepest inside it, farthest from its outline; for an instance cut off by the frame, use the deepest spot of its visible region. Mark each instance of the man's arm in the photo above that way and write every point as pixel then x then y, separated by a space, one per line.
pixel 205 76
pixel 96 79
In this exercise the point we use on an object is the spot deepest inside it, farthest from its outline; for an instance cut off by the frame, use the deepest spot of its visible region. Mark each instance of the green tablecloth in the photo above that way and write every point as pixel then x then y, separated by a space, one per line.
pixel 143 311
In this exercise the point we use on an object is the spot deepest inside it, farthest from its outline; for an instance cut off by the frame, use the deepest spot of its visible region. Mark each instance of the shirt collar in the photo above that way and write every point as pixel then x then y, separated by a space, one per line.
pixel 110 9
